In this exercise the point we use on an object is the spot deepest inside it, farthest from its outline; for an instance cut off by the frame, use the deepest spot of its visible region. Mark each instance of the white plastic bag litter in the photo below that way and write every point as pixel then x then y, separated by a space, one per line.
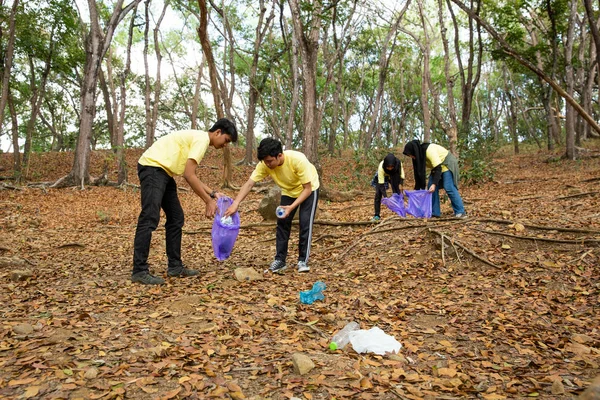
pixel 375 341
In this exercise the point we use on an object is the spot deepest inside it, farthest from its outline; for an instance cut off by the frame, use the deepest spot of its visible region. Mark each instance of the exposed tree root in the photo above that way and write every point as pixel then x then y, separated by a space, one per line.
pixel 466 249
pixel 541 227
pixel 567 241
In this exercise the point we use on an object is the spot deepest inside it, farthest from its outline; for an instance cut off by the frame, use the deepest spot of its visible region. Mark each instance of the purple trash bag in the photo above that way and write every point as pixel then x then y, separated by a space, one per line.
pixel 419 203
pixel 224 230
pixel 396 204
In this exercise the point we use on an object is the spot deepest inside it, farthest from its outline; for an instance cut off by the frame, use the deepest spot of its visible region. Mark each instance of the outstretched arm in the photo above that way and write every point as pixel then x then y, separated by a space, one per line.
pixel 240 197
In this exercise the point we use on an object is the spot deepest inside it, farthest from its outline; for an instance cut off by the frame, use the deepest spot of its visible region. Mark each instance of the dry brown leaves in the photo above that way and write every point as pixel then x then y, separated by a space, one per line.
pixel 528 327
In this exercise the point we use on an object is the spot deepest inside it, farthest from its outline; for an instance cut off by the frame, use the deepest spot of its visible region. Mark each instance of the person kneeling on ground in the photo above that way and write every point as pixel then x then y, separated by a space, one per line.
pixel 389 170
pixel 444 172
pixel 177 153
pixel 299 183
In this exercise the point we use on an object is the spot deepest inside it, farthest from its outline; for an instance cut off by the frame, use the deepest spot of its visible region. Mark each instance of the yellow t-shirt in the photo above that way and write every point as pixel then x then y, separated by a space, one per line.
pixel 435 155
pixel 172 151
pixel 295 172
pixel 382 172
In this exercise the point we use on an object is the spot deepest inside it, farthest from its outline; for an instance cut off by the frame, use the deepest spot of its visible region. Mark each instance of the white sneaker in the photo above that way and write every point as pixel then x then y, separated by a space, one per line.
pixel 303 267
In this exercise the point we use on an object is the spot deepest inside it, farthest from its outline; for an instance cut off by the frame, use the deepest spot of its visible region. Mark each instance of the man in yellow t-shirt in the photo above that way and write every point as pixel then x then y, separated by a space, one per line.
pixel 299 183
pixel 177 153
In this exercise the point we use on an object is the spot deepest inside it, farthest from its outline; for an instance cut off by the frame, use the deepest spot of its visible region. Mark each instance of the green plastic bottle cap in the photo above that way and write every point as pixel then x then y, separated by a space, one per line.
pixel 333 346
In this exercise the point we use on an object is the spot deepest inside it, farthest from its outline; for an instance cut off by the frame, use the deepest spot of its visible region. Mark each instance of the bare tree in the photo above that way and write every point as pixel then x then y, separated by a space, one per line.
pixel 450 126
pixel 97 44
pixel 7 67
pixel 470 75
pixel 256 84
pixel 508 50
pixel 307 36
pixel 384 59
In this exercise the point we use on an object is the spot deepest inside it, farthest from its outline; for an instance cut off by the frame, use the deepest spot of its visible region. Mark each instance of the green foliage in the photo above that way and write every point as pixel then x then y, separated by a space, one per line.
pixel 365 166
pixel 480 171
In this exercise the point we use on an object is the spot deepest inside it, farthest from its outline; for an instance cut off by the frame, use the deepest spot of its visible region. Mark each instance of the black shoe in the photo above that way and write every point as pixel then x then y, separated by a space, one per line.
pixel 181 272
pixel 145 278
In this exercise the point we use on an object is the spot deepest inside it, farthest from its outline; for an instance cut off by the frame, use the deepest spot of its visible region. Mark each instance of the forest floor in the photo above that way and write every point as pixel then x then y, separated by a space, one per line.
pixel 509 308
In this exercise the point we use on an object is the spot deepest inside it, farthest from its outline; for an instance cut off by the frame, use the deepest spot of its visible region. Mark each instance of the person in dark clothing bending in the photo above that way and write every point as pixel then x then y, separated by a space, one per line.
pixel 389 170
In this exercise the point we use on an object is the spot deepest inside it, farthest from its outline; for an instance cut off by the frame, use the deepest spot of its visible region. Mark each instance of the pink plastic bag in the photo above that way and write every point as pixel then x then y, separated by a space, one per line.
pixel 224 230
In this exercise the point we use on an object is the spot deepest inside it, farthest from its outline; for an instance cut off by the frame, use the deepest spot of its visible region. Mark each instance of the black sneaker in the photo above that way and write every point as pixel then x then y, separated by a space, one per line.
pixel 182 272
pixel 145 278
pixel 277 266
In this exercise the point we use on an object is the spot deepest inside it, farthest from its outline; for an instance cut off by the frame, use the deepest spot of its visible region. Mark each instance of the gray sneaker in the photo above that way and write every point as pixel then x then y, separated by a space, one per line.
pixel 277 266
pixel 460 215
pixel 181 272
pixel 303 266
pixel 145 278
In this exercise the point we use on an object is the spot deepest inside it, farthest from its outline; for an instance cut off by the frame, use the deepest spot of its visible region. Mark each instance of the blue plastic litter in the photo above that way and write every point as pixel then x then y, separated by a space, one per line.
pixel 316 293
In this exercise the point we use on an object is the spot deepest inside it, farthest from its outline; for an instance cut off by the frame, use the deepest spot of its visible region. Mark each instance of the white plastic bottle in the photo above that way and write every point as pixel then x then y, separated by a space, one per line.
pixel 341 339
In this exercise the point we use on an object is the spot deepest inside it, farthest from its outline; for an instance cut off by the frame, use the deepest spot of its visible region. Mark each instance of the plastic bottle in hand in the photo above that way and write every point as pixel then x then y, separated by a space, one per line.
pixel 316 293
pixel 341 339
pixel 279 212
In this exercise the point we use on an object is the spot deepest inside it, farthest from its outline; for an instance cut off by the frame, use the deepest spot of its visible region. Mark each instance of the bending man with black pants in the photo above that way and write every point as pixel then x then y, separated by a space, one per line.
pixel 299 183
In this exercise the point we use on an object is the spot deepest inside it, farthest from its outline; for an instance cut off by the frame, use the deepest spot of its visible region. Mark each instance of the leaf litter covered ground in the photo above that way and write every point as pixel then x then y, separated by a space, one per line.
pixel 508 309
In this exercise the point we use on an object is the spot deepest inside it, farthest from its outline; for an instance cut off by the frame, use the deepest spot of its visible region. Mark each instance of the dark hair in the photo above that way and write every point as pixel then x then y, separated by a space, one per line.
pixel 269 147
pixel 227 127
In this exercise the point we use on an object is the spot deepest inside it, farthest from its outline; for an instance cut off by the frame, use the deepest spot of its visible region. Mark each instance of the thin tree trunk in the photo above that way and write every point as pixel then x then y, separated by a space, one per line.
pixel 469 80
pixel 569 78
pixel 97 44
pixel 507 49
pixel 8 59
pixel 451 126
pixel 15 137
pixel 120 151
pixel 308 40
pixel 196 101
pixel 425 78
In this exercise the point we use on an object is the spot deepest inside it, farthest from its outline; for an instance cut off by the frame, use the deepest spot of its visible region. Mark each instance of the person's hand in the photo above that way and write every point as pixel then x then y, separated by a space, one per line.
pixel 211 209
pixel 287 210
pixel 232 209
pixel 431 188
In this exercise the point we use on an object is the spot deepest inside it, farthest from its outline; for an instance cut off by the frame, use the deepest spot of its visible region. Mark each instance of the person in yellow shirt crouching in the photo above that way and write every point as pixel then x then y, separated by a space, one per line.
pixel 299 183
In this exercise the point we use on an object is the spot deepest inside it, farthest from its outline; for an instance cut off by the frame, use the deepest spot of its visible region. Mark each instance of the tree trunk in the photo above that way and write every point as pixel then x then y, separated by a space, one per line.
pixel 569 79
pixel 120 142
pixel 262 28
pixel 15 137
pixel 308 41
pixel 593 24
pixel 452 124
pixel 8 59
pixel 425 78
pixel 508 50
pixel 469 80
pixel 96 44
pixel 36 100
pixel 196 101
pixel 384 60
pixel 289 132
pixel 108 105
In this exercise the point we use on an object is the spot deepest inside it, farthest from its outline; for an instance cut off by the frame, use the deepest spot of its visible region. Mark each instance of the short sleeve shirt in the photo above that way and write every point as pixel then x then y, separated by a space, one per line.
pixel 381 173
pixel 172 151
pixel 295 171
pixel 435 155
